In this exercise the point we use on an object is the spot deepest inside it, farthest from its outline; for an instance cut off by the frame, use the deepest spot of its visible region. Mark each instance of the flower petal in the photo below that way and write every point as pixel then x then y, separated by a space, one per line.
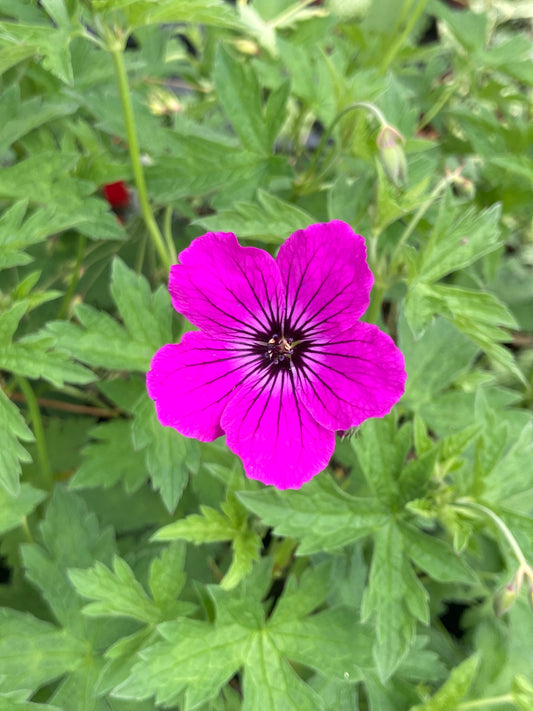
pixel 224 288
pixel 327 278
pixel 358 375
pixel 192 381
pixel 277 439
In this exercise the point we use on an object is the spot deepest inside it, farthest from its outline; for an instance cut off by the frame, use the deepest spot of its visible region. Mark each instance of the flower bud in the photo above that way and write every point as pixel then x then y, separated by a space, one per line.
pixel 464 187
pixel 505 599
pixel 390 143
pixel 246 46
pixel 162 101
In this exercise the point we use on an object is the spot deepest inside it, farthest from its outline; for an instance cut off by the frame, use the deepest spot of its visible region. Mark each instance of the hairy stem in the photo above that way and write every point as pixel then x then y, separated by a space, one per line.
pixel 167 231
pixel 69 406
pixel 327 134
pixel 489 701
pixel 511 540
pixel 285 16
pixel 38 431
pixel 135 157
pixel 374 309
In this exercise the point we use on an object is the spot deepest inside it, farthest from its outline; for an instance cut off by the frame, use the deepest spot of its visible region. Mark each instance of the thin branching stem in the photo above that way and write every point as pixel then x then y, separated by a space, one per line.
pixel 327 134
pixel 437 190
pixel 135 157
pixel 38 431
pixel 511 540
pixel 482 703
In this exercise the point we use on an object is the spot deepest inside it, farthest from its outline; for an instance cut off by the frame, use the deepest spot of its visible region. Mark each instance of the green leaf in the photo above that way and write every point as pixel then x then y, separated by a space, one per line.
pixel 275 110
pixel 116 593
pixel 14 509
pixel 454 688
pixel 201 165
pixel 33 357
pixel 146 12
pixel 266 670
pixel 147 316
pixel 240 638
pixel 381 450
pixel 457 304
pixel 167 576
pixel 457 242
pixel 101 341
pixel 477 314
pixel 415 475
pixel 18 701
pixel 504 466
pixel 332 642
pixel 169 668
pixel 395 598
pixel 52 44
pixel 272 220
pixel 169 457
pixel 427 371
pixel 18 118
pixel 92 218
pixel 212 526
pixel 12 54
pixel 46 179
pixel 34 652
pixel 435 557
pixel 319 515
pixel 239 93
pixel 110 459
pixel 522 692
pixel 71 538
pixel 12 453
pixel 391 204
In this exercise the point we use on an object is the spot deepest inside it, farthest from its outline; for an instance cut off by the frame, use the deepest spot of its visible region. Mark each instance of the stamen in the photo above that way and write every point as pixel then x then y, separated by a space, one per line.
pixel 279 348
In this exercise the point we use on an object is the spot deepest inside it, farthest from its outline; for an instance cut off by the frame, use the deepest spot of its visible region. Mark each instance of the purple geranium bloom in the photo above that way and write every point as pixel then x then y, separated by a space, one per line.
pixel 280 361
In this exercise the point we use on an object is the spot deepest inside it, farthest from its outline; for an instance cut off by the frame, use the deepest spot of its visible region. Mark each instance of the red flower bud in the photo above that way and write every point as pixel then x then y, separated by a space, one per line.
pixel 117 195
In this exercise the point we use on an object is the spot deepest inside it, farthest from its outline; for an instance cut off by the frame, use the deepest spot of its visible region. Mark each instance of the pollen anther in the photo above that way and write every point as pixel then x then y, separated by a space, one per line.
pixel 279 348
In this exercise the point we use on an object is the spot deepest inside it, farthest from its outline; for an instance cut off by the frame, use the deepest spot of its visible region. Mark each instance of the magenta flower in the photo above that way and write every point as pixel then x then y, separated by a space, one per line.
pixel 280 361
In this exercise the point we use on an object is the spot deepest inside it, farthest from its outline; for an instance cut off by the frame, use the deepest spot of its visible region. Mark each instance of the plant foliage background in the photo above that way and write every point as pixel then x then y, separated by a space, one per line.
pixel 141 569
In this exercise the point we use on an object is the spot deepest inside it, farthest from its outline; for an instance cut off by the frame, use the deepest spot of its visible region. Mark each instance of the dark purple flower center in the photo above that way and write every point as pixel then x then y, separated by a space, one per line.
pixel 280 349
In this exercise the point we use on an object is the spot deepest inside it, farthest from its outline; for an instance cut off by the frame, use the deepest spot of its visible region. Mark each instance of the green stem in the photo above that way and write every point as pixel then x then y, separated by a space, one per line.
pixel 448 92
pixel 327 134
pixel 65 304
pixel 167 231
pixel 284 17
pixel 419 215
pixel 511 540
pixel 376 299
pixel 38 431
pixel 481 703
pixel 396 46
pixel 26 529
pixel 135 156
